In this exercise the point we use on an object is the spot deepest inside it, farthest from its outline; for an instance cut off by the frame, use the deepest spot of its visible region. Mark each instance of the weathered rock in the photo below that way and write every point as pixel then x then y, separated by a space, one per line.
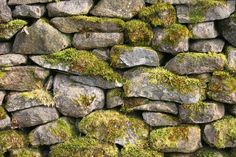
pixel 209 45
pixel 25 151
pixel 204 30
pixel 91 40
pixel 126 57
pixel 173 39
pixel 205 151
pixel 22 100
pixel 183 138
pixel 231 58
pixel 22 78
pixel 172 1
pixel 221 134
pixel 34 116
pixel 160 119
pixel 222 87
pixel 125 9
pixel 114 98
pixel 12 60
pixel 134 151
pixel 17 2
pixel 196 63
pixel 114 127
pixel 5 12
pixel 205 11
pixel 33 41
pixel 201 112
pixel 5 47
pixel 51 133
pixel 102 53
pixel 2 96
pixel 8 30
pixel 75 99
pixel 160 84
pixel 34 11
pixel 87 23
pixel 5 120
pixel 70 7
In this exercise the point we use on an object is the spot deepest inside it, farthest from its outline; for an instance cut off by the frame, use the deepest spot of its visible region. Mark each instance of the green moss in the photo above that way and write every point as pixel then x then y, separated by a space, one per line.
pixel 208 152
pixel 83 62
pixel 2 74
pixel 130 103
pixel 139 33
pixel 84 100
pixel 3 113
pixel 117 51
pixel 14 24
pixel 153 14
pixel 196 109
pixel 25 152
pixel 115 92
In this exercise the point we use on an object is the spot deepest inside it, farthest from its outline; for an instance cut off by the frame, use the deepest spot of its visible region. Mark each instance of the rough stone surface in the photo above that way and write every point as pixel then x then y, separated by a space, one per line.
pixel 5 47
pixel 5 12
pixel 2 96
pixel 114 98
pixel 231 58
pixel 206 30
pixel 171 1
pixel 5 120
pixel 34 11
pixel 23 151
pixel 210 45
pixel 102 53
pixel 17 2
pixel 12 59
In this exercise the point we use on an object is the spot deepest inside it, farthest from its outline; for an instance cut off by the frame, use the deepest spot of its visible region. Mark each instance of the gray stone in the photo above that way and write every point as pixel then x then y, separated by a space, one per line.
pixel 126 57
pixel 114 98
pixel 69 7
pixel 102 53
pixel 2 96
pixel 196 63
pixel 209 45
pixel 204 30
pixel 160 119
pixel 5 12
pixel 87 23
pixel 33 41
pixel 12 59
pixel 125 9
pixel 5 120
pixel 75 99
pixel 34 116
pixel 22 78
pixel 91 40
pixel 160 84
pixel 231 58
pixel 17 2
pixel 203 11
pixel 5 47
pixel 34 11
pixel 171 1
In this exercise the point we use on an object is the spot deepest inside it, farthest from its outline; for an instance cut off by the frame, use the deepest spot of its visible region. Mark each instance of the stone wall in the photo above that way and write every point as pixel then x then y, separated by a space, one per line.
pixel 117 78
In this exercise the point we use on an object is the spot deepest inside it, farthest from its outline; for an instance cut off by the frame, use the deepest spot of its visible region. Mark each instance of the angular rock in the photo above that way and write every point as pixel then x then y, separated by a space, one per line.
pixel 173 39
pixel 124 9
pixel 160 119
pixel 134 151
pixel 102 53
pixel 75 99
pixel 51 133
pixel 25 151
pixel 12 60
pixel 8 30
pixel 91 40
pixel 34 11
pixel 5 12
pixel 32 41
pixel 196 63
pixel 126 57
pixel 17 2
pixel 205 11
pixel 221 134
pixel 2 96
pixel 172 1
pixel 70 7
pixel 201 112
pixel 183 138
pixel 209 45
pixel 5 120
pixel 231 58
pixel 112 126
pixel 5 47
pixel 114 98
pixel 22 78
pixel 87 23
pixel 34 116
pixel 204 30
pixel 160 84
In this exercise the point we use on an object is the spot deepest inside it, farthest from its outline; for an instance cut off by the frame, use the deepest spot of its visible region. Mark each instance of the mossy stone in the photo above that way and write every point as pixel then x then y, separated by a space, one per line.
pixel 3 113
pixel 209 152
pixel 25 152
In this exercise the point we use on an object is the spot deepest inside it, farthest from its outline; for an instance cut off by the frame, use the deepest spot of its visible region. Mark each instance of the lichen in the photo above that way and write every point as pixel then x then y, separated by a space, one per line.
pixel 115 92
pixel 3 113
pixel 84 100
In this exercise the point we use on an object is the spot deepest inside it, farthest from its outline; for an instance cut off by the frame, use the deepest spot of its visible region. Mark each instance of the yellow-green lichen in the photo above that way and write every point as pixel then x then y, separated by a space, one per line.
pixel 115 92
pixel 84 100
pixel 3 113
pixel 25 152
pixel 130 103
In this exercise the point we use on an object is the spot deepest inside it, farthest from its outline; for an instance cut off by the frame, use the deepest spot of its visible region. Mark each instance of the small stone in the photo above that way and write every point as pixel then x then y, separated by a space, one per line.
pixel 160 119
pixel 124 9
pixel 34 11
pixel 204 30
pixel 5 120
pixel 32 41
pixel 34 116
pixel 196 63
pixel 17 2
pixel 114 98
pixel 5 47
pixel 102 53
pixel 12 60
pixel 25 151
pixel 209 45
pixel 134 151
pixel 5 12
pixel 70 7
pixel 231 58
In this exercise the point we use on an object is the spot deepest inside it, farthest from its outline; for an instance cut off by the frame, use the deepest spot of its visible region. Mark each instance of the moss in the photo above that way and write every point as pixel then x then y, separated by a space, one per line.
pixel 130 103
pixel 25 152
pixel 139 33
pixel 208 152
pixel 154 14
pixel 115 92
pixel 3 113
pixel 84 100
pixel 118 50
pixel 83 62
pixel 2 74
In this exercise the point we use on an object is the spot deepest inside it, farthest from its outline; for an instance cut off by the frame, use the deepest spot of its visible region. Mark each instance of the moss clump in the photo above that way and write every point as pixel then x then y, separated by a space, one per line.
pixel 154 14
pixel 25 152
pixel 208 152
pixel 41 95
pixel 83 62
pixel 3 113
pixel 139 33
pixel 84 100
pixel 115 92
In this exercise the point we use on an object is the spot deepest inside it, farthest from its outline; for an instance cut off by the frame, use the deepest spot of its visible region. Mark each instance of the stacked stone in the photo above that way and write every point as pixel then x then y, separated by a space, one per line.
pixel 109 78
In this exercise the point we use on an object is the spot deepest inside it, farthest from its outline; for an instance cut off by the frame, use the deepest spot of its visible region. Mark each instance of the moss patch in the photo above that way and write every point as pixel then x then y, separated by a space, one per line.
pixel 3 113
pixel 25 152
pixel 84 100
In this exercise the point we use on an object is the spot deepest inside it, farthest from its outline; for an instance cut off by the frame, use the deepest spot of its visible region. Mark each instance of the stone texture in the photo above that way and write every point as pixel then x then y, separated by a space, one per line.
pixel 125 9
pixel 33 41
pixel 196 63
pixel 12 59
pixel 17 2
pixel 91 40
pixel 70 7
pixel 5 12
pixel 5 47
pixel 210 151
pixel 27 151
pixel 22 78
pixel 34 11
pixel 231 58
pixel 114 98
pixel 2 96
pixel 75 99
pixel 206 30
pixel 102 53
pixel 210 45
pixel 171 1
pixel 34 116
pixel 5 120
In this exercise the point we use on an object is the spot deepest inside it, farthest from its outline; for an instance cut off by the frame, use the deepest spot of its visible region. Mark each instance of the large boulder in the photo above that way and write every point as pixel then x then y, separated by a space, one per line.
pixel 5 12
pixel 34 11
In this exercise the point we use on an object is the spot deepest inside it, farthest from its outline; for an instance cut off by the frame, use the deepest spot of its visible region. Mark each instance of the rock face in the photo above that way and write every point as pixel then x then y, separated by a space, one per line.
pixel 5 47
pixel 33 41
pixel 211 45
pixel 5 120
pixel 231 58
pixel 5 12
pixel 12 59
pixel 114 98
pixel 16 2
pixel 204 30
pixel 71 7
pixel 34 11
